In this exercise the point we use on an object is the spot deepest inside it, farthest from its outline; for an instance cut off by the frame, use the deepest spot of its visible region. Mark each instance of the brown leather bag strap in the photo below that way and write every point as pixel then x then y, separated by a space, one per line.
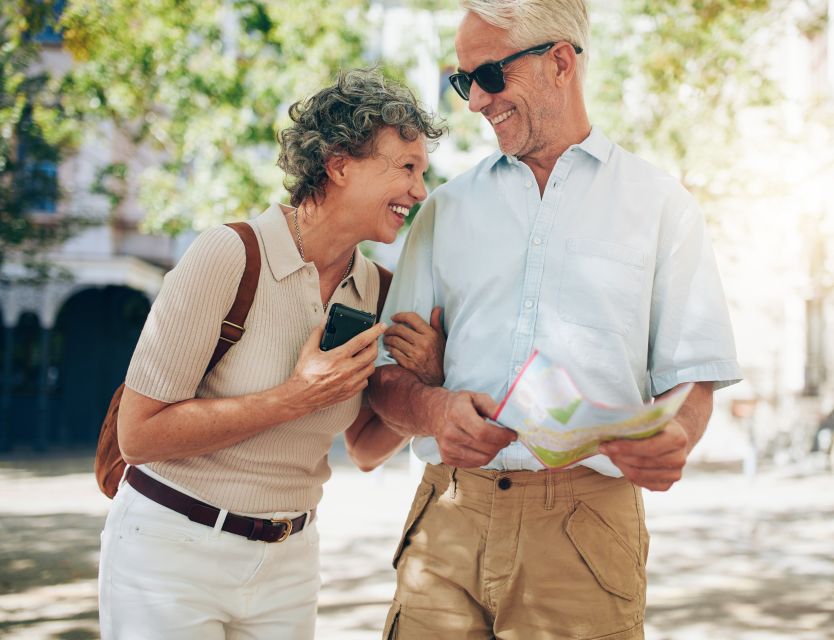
pixel 231 329
pixel 384 284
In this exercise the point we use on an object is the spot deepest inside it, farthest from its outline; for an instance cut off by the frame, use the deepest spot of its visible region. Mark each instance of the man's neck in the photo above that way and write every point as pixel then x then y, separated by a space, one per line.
pixel 542 161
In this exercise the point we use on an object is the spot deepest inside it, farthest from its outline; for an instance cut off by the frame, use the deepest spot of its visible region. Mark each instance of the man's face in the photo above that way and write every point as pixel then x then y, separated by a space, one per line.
pixel 524 115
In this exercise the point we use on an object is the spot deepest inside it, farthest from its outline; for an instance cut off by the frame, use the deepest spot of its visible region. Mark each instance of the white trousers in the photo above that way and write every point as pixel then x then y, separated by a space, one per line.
pixel 164 577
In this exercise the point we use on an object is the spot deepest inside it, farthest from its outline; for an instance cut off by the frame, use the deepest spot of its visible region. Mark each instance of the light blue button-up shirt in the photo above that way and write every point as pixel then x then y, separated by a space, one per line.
pixel 610 273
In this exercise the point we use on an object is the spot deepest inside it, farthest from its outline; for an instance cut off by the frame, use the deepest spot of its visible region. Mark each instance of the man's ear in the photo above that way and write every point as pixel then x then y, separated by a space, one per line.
pixel 337 168
pixel 564 57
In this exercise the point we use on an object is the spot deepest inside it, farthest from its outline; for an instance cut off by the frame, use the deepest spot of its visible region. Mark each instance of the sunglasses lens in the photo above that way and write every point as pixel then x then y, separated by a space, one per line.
pixel 462 84
pixel 490 77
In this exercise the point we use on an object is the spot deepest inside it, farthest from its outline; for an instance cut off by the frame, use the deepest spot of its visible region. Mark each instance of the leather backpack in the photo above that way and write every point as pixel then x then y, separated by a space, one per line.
pixel 109 465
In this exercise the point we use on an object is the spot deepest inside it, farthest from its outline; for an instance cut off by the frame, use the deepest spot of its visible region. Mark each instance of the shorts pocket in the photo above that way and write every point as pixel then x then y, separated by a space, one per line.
pixel 389 631
pixel 421 500
pixel 609 558
pixel 600 284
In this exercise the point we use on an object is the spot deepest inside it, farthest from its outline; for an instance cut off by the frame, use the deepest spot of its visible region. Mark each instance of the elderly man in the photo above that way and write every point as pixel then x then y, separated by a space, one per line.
pixel 563 242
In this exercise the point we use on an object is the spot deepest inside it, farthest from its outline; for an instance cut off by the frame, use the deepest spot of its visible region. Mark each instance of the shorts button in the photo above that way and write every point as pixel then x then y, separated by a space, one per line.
pixel 504 483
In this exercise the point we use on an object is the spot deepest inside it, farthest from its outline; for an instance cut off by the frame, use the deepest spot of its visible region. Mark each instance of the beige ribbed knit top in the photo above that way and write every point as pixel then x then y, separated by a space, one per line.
pixel 282 468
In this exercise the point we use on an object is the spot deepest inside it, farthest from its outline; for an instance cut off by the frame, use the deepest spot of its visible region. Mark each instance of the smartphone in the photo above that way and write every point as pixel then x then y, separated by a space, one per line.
pixel 343 323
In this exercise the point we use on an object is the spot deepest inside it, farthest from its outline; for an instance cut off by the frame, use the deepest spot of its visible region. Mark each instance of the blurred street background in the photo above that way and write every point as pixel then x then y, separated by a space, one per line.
pixel 733 557
pixel 129 126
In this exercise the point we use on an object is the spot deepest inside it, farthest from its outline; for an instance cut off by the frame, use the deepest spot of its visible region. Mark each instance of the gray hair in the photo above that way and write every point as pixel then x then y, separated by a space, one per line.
pixel 532 22
pixel 345 118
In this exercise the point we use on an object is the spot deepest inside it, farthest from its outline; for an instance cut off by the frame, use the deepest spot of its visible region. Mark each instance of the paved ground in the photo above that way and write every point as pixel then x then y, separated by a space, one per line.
pixel 732 558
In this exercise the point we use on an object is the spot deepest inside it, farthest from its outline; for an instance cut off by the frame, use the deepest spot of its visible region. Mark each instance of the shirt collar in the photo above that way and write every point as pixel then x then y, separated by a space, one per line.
pixel 282 254
pixel 595 145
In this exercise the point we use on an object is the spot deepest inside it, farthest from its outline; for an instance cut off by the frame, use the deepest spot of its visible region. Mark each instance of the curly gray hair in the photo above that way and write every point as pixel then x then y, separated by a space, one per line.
pixel 344 118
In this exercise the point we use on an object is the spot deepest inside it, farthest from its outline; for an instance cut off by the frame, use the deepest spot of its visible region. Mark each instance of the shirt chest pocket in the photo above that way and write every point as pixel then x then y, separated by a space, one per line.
pixel 600 284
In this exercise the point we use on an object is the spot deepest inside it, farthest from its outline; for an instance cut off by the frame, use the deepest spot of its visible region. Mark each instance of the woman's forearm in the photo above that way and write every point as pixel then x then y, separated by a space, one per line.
pixel 150 430
pixel 370 442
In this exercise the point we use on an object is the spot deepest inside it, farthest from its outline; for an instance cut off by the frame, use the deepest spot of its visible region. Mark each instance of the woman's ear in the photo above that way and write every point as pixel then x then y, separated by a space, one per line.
pixel 336 167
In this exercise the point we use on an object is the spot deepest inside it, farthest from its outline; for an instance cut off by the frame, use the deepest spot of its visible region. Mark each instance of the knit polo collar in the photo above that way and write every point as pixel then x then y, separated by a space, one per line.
pixel 282 254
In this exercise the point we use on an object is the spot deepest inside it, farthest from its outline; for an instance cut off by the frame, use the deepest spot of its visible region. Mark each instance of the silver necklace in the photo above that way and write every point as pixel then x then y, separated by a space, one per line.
pixel 301 252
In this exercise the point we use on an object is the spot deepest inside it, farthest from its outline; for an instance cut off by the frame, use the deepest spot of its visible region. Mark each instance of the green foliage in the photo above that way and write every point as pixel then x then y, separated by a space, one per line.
pixel 670 78
pixel 34 130
pixel 206 83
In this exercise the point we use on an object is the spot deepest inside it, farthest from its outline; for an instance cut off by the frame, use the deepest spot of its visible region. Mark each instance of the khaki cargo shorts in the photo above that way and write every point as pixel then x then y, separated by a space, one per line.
pixel 521 555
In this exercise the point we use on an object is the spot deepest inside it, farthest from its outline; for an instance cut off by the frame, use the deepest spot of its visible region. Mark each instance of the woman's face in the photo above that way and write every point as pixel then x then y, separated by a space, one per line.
pixel 384 186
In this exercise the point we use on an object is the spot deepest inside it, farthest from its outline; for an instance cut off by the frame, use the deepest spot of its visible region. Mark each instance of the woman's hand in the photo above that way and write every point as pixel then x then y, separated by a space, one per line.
pixel 325 378
pixel 417 346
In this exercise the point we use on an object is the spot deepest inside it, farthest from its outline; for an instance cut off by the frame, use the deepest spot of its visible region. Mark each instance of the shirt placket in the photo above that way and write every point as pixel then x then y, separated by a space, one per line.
pixel 513 457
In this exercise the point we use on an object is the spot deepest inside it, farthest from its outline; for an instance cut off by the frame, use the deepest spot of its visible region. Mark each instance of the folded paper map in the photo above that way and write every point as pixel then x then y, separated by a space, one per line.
pixel 560 426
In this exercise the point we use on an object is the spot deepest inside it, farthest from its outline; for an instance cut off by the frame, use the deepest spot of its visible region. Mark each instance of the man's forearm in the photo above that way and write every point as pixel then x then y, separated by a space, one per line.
pixel 402 401
pixel 695 412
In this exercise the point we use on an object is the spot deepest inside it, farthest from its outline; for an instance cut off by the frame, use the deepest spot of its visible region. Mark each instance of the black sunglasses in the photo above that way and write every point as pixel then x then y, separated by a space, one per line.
pixel 490 76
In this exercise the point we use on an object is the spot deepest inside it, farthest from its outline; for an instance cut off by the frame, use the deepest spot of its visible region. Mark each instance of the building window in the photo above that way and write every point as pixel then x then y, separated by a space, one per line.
pixel 51 33
pixel 38 168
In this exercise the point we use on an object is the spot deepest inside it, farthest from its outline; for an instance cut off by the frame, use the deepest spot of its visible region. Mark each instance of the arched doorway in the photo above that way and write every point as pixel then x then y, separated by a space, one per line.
pixel 94 336
pixel 25 359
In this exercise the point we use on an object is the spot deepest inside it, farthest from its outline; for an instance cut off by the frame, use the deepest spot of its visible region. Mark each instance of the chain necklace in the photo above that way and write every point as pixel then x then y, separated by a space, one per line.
pixel 301 252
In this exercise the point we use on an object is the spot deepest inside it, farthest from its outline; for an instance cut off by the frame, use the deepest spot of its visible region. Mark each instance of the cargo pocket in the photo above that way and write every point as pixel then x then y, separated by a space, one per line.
pixel 614 565
pixel 421 500
pixel 389 631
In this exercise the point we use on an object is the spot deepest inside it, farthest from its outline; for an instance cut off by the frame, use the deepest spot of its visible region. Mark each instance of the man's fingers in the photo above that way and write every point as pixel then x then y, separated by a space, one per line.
pixel 412 320
pixel 484 404
pixel 399 355
pixel 403 332
pixel 397 342
pixel 658 445
pixel 435 322
pixel 669 461
pixel 653 479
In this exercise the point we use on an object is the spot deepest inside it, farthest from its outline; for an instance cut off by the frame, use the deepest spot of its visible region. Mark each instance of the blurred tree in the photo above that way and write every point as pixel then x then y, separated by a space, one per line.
pixel 670 78
pixel 35 132
pixel 206 83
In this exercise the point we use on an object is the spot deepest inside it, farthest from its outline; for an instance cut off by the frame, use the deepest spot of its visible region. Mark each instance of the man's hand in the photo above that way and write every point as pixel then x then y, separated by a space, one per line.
pixel 464 437
pixel 655 463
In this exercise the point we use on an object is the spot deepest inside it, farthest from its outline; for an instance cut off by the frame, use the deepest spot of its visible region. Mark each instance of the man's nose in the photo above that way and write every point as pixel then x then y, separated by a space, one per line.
pixel 478 98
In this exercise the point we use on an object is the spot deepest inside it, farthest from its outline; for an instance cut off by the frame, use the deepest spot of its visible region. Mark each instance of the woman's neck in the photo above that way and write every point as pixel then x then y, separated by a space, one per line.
pixel 322 237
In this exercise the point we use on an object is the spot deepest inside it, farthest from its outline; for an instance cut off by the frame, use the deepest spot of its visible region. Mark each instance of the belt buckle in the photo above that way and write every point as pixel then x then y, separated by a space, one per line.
pixel 287 530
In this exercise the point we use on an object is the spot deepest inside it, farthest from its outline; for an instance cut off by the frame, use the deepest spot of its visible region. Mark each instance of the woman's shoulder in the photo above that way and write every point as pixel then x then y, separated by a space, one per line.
pixel 218 245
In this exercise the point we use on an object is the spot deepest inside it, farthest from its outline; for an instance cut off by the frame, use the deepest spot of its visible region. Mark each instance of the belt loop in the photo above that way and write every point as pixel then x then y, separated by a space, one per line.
pixel 453 483
pixel 549 490
pixel 218 525
pixel 569 478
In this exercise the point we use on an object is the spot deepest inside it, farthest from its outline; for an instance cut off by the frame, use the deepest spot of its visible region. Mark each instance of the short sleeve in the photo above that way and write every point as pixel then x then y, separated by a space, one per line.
pixel 183 326
pixel 691 338
pixel 412 288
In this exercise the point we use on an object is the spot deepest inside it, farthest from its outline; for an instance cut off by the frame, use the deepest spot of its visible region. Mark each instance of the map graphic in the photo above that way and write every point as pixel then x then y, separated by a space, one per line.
pixel 560 426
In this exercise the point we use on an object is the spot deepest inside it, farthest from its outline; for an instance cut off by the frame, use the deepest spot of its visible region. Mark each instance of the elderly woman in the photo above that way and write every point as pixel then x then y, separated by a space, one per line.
pixel 249 441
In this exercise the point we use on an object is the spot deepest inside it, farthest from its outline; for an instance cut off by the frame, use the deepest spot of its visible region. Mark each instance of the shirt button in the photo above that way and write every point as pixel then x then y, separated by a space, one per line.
pixel 528 184
pixel 537 241
pixel 517 368
pixel 528 304
pixel 504 483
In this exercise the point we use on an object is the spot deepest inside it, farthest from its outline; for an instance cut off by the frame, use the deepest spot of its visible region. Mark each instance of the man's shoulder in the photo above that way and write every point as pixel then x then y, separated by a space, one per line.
pixel 637 170
pixel 460 184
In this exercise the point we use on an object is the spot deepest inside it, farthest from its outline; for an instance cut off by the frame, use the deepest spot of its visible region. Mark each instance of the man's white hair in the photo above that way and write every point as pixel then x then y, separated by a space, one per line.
pixel 532 22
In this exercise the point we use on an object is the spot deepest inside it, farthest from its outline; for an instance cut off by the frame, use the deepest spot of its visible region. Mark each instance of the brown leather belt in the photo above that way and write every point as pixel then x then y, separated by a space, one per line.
pixel 203 513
